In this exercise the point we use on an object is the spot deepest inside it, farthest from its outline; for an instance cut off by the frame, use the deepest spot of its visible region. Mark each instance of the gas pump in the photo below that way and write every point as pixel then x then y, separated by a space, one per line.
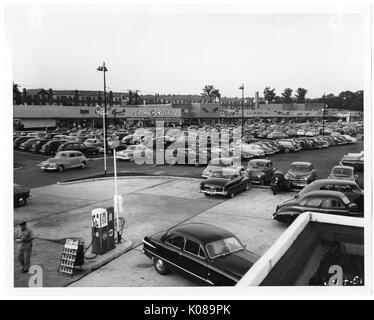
pixel 102 230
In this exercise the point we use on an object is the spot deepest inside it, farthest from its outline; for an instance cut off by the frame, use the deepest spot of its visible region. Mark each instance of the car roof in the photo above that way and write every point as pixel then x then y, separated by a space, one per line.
pixel 324 194
pixel 301 163
pixel 260 160
pixel 321 182
pixel 226 170
pixel 203 232
pixel 343 167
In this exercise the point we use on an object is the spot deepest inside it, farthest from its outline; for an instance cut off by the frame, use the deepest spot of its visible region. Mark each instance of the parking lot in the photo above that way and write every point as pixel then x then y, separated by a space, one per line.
pixel 151 205
pixel 28 174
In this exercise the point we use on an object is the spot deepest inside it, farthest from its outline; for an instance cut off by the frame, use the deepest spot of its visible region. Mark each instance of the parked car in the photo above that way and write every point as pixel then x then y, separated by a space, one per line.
pixel 139 149
pixel 301 173
pixel 25 146
pixel 78 147
pixel 21 195
pixel 343 173
pixel 349 188
pixel 65 160
pixel 35 147
pixel 260 170
pixel 19 141
pixel 329 202
pixel 51 147
pixel 93 142
pixel 355 160
pixel 206 254
pixel 288 146
pixel 225 182
pixel 218 163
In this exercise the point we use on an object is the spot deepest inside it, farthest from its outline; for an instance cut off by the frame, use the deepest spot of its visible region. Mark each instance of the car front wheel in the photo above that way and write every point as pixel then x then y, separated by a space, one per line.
pixel 160 266
pixel 83 165
pixel 60 168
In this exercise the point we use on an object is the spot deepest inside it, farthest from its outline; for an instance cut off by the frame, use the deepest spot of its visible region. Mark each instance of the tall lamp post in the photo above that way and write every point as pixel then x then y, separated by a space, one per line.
pixel 242 88
pixel 323 115
pixel 104 69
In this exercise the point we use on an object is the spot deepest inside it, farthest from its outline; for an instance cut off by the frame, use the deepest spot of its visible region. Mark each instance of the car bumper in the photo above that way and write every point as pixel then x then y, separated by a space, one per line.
pixel 48 168
pixel 214 192
pixel 298 183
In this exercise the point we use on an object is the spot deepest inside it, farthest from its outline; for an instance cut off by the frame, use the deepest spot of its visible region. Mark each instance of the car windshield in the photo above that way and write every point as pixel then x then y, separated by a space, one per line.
pixel 300 168
pixel 342 172
pixel 256 164
pixel 220 163
pixel 223 247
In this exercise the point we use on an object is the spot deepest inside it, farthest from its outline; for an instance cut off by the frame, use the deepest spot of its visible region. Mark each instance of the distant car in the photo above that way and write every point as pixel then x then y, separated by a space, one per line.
pixel 218 163
pixel 51 147
pixel 260 170
pixel 131 150
pixel 35 147
pixel 93 142
pixel 343 173
pixel 225 182
pixel 277 135
pixel 77 146
pixel 301 173
pixel 27 144
pixel 206 254
pixel 65 160
pixel 19 141
pixel 21 195
pixel 329 202
pixel 288 146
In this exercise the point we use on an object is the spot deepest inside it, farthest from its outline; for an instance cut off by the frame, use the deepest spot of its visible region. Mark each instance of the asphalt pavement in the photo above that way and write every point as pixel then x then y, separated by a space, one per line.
pixel 27 172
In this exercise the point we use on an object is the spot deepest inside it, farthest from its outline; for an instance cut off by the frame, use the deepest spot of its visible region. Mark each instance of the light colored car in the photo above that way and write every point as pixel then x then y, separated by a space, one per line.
pixel 128 154
pixel 65 160
pixel 343 173
pixel 218 163
pixel 93 142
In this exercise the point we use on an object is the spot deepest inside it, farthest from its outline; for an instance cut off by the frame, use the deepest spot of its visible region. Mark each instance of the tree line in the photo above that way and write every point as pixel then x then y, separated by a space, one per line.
pixel 346 100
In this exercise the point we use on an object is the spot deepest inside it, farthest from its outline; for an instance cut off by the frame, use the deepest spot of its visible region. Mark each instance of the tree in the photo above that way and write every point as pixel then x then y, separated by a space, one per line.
pixel 278 99
pixel 286 94
pixel 16 94
pixel 211 93
pixel 269 94
pixel 300 95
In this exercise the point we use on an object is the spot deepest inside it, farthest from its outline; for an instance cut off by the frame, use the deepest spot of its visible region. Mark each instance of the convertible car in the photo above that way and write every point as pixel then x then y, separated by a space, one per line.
pixel 203 253
pixel 225 182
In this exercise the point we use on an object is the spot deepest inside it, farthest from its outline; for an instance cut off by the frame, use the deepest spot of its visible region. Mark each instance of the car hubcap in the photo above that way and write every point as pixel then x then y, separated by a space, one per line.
pixel 159 264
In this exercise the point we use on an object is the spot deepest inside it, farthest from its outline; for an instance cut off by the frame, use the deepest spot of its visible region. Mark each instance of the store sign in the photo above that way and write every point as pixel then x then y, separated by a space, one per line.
pixel 131 112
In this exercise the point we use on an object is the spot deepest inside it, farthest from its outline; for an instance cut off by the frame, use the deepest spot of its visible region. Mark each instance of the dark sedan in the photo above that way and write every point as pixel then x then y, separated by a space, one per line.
pixel 204 253
pixel 329 202
pixel 77 146
pixel 27 144
pixel 260 171
pixel 51 146
pixel 301 173
pixel 35 147
pixel 21 195
pixel 225 182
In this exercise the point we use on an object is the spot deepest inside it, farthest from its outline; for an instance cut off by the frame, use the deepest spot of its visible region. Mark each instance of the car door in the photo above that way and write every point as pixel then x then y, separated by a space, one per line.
pixel 70 163
pixel 310 204
pixel 194 261
pixel 172 251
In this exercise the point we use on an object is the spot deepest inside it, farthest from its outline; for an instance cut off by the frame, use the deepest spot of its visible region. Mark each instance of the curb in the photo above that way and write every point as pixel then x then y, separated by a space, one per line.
pixel 94 264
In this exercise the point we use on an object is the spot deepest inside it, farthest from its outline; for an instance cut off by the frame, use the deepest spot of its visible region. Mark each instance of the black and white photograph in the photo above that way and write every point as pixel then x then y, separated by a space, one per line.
pixel 200 148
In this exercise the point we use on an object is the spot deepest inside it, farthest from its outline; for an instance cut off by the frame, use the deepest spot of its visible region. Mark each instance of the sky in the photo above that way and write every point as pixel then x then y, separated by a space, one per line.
pixel 179 50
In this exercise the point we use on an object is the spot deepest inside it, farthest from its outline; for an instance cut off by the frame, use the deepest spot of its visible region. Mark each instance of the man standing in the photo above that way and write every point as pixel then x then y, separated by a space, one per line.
pixel 24 239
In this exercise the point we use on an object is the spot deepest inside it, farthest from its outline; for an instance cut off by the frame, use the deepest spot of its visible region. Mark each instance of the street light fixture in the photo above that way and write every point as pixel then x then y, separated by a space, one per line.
pixel 104 69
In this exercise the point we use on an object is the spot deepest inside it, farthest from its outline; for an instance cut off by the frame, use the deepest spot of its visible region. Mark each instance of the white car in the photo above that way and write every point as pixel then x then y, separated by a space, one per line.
pixel 218 163
pixel 128 154
pixel 65 160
